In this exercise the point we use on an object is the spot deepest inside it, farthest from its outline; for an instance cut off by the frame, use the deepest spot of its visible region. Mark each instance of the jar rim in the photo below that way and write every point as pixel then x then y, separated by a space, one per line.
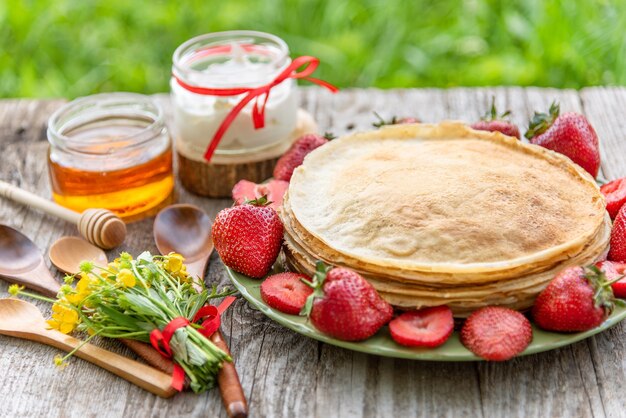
pixel 58 122
pixel 221 38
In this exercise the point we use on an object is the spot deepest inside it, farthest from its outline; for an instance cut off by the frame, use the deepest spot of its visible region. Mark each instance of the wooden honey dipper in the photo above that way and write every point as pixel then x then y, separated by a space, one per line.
pixel 101 227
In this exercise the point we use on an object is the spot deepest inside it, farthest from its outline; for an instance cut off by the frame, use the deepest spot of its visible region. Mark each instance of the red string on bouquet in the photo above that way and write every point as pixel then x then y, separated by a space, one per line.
pixel 160 340
pixel 261 94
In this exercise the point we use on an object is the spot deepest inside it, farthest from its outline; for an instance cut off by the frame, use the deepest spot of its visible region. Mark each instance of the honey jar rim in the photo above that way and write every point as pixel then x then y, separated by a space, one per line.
pixel 142 106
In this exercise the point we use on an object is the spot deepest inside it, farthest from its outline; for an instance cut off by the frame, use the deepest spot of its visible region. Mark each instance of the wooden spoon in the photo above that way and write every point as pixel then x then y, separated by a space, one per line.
pixel 66 254
pixel 23 320
pixel 186 230
pixel 22 263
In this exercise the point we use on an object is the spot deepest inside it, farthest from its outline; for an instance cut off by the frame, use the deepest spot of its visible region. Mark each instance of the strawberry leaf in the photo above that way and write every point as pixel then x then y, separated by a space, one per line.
pixel 259 201
pixel 541 122
pixel 492 114
pixel 603 293
pixel 382 122
pixel 317 284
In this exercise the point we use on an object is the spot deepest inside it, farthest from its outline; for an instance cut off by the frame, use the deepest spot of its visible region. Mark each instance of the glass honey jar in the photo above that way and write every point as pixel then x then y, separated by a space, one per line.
pixel 110 151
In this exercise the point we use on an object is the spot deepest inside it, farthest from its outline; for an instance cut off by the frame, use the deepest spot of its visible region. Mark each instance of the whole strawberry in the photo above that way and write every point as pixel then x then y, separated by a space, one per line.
pixel 248 237
pixel 570 134
pixel 296 153
pixel 617 249
pixel 494 123
pixel 344 305
pixel 577 299
pixel 393 121
pixel 615 195
pixel 496 333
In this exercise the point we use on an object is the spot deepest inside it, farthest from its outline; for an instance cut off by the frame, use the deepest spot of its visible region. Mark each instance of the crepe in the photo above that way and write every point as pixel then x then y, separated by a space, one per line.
pixel 517 292
pixel 305 243
pixel 444 198
pixel 444 215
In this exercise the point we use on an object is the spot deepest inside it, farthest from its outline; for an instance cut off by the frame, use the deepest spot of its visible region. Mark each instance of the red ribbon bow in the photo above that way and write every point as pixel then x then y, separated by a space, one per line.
pixel 258 113
pixel 160 340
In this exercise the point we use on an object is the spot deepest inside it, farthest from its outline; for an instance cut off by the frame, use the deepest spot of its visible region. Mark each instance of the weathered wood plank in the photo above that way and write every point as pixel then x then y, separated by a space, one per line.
pixel 606 110
pixel 283 373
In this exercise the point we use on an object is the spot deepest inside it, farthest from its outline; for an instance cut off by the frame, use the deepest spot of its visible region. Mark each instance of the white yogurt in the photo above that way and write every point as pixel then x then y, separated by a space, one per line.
pixel 248 59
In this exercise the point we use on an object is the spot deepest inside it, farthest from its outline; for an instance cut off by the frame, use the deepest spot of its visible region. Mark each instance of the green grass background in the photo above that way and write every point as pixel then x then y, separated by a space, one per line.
pixel 77 47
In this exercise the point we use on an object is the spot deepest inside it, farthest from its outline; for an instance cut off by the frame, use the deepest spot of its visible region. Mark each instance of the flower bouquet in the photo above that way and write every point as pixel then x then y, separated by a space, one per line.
pixel 151 299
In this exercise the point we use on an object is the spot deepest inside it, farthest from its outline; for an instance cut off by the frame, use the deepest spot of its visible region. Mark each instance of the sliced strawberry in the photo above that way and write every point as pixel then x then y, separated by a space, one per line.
pixel 614 270
pixel 429 327
pixel 615 194
pixel 275 190
pixel 244 190
pixel 286 292
pixel 496 333
pixel 247 190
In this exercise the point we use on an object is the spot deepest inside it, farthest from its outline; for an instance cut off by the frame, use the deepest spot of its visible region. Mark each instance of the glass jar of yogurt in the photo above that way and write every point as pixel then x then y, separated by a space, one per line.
pixel 229 60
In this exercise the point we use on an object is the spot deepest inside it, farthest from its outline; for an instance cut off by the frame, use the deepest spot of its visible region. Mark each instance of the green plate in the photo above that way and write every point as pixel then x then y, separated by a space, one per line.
pixel 381 344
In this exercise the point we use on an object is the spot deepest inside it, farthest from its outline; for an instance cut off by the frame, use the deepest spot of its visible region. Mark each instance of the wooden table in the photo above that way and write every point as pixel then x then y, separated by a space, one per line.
pixel 285 374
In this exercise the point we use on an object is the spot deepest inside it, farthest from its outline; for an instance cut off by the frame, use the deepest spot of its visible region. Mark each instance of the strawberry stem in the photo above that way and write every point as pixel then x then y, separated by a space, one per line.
pixel 609 283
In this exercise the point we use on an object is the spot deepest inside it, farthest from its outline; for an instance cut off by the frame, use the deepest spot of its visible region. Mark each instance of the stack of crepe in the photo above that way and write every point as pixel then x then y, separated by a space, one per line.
pixel 444 215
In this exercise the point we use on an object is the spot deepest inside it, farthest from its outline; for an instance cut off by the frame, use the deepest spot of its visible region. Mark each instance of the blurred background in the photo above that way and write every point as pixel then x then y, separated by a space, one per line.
pixel 70 48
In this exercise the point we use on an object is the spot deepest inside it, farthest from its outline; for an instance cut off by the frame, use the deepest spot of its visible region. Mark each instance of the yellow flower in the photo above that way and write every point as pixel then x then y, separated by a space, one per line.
pixel 83 290
pixel 75 298
pixel 86 266
pixel 174 262
pixel 114 265
pixel 83 284
pixel 15 289
pixel 58 361
pixel 126 278
pixel 64 318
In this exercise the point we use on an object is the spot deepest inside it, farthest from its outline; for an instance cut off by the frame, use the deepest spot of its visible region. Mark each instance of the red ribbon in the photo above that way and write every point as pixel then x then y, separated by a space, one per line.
pixel 160 340
pixel 258 113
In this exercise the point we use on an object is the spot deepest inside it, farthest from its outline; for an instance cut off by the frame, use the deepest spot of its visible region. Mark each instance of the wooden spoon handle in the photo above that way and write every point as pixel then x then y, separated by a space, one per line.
pixel 230 387
pixel 26 198
pixel 150 355
pixel 139 374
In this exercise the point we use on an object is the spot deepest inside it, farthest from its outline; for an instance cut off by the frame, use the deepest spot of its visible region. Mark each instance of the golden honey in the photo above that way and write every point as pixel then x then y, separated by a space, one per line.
pixel 110 151
pixel 126 191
